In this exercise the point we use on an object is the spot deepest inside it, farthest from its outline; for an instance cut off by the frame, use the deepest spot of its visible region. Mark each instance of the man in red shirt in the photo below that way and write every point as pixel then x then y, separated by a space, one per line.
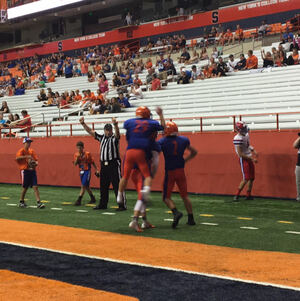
pixel 25 123
pixel 156 85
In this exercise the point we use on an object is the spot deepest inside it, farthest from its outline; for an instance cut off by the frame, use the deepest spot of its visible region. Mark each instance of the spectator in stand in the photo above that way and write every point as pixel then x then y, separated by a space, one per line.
pixel 185 56
pixel 231 63
pixel 2 121
pixel 282 61
pixel 116 82
pixel 214 70
pixel 290 45
pixel 137 80
pixel 215 53
pixel 267 58
pixel 50 101
pixel 77 96
pixel 106 67
pixel 204 54
pixel 194 59
pixel 196 73
pixel 150 44
pixel 149 76
pixel 293 59
pixel 287 35
pixel 128 19
pixel 16 117
pixel 252 61
pixel 4 108
pixel 9 120
pixel 222 67
pixel 241 64
pixel 136 92
pixel 184 77
pixel 228 37
pixel 103 84
pixel 213 32
pixel 42 96
pixel 84 67
pixel 239 34
pixel 68 69
pixel 91 77
pixel 207 72
pixel 263 29
pixel 10 91
pixel 60 65
pixel 155 84
pixel 123 101
pixel 274 52
pixel 113 106
pixel 149 63
pixel 25 123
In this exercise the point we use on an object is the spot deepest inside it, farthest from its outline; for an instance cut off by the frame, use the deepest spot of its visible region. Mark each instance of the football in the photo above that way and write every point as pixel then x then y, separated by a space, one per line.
pixel 32 163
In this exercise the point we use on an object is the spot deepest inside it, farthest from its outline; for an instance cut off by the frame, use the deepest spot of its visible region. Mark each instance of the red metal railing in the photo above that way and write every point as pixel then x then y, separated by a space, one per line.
pixel 49 128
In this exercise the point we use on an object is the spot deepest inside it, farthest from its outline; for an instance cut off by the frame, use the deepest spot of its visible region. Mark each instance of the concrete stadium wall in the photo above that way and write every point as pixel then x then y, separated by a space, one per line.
pixel 215 170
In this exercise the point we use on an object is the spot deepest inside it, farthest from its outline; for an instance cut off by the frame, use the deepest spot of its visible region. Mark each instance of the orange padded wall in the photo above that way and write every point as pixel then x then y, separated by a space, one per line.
pixel 214 171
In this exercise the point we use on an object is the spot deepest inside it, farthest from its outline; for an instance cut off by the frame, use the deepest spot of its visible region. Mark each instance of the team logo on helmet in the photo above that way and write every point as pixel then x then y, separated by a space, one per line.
pixel 143 112
pixel 171 128
pixel 241 127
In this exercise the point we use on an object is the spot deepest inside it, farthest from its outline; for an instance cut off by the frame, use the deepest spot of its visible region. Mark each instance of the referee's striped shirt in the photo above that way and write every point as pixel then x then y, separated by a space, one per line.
pixel 109 147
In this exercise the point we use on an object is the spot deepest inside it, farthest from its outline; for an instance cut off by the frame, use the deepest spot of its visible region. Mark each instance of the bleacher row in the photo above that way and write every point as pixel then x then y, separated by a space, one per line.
pixel 217 100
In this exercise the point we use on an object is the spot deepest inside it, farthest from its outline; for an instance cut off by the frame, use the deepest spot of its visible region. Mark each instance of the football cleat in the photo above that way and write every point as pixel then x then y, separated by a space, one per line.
pixel 22 205
pixel 40 205
pixel 236 198
pixel 147 225
pixel 176 219
pixel 135 225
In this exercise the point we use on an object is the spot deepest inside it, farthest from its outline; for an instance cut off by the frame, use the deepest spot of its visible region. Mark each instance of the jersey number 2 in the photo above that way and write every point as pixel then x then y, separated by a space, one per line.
pixel 141 126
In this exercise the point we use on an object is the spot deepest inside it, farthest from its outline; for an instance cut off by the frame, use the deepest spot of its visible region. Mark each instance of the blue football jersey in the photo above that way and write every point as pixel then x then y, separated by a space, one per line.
pixel 140 131
pixel 173 148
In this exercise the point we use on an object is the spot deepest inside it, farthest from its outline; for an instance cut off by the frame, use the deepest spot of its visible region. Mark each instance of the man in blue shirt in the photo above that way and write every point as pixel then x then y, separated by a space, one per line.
pixel 139 134
pixel 173 148
pixel 123 101
pixel 68 69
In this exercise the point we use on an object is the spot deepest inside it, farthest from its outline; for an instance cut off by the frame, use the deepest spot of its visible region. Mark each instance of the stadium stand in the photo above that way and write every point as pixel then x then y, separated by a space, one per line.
pixel 214 102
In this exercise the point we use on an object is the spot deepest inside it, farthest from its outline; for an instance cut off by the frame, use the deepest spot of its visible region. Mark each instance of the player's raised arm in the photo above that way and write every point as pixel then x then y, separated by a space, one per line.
pixel 86 127
pixel 159 112
pixel 116 126
pixel 193 153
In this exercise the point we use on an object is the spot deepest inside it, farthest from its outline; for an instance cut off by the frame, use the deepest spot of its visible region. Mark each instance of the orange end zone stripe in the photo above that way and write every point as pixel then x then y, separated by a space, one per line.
pixel 271 267
pixel 20 287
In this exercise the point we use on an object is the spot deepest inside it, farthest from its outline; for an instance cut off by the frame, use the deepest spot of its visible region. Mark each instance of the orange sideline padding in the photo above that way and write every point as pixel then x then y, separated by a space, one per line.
pixel 215 170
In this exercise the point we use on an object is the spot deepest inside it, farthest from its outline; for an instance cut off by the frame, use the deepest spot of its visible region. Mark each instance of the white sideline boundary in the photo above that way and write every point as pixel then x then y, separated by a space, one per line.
pixel 153 266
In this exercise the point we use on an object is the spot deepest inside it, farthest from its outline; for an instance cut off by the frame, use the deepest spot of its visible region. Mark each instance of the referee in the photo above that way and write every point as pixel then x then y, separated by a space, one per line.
pixel 110 161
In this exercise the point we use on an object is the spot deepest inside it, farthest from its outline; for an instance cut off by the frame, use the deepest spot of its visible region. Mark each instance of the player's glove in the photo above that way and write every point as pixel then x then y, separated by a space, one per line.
pixel 97 174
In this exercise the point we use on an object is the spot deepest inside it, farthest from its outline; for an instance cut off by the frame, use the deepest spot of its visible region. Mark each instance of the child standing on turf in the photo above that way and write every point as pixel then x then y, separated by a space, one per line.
pixel 84 160
pixel 28 161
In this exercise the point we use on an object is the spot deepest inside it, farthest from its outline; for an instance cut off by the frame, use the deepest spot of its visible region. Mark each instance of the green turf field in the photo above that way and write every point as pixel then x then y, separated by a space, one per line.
pixel 263 214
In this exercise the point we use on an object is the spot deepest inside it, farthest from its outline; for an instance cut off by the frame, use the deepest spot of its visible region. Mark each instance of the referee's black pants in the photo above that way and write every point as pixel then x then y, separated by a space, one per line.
pixel 110 174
